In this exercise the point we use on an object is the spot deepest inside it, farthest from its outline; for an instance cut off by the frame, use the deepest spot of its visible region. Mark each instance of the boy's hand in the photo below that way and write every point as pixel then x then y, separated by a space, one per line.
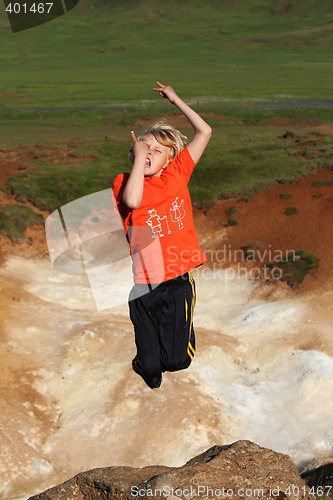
pixel 133 191
pixel 201 129
pixel 139 147
pixel 166 91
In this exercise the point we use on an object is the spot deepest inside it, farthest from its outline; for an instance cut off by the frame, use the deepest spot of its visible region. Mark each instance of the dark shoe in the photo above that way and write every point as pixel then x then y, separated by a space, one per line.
pixel 135 365
pixel 153 382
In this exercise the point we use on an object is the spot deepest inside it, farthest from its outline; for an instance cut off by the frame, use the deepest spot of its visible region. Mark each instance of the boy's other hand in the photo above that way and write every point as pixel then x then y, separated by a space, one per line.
pixel 139 147
pixel 166 91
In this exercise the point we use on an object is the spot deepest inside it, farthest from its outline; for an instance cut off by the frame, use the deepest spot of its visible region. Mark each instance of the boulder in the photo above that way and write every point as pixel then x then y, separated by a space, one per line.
pixel 242 470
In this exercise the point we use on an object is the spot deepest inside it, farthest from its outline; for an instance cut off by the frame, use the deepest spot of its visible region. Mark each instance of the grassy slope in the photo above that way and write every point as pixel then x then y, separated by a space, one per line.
pixel 216 53
pixel 216 50
pixel 243 154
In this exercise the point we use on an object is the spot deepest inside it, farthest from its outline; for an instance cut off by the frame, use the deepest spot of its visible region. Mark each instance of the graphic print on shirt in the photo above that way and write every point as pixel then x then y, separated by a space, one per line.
pixel 155 222
pixel 160 225
pixel 178 212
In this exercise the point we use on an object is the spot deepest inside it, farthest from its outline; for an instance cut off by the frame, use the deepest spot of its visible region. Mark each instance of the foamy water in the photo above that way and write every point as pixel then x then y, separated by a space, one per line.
pixel 249 380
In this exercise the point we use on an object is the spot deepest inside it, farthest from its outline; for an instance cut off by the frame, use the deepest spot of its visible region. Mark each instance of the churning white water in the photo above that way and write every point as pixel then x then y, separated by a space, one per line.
pixel 263 371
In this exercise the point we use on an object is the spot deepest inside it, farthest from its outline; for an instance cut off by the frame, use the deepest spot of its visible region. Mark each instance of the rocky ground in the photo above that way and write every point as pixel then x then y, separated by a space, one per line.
pixel 239 470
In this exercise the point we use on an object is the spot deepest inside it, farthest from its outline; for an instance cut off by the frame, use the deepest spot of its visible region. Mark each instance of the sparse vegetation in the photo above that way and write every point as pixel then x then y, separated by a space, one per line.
pixel 290 211
pixel 14 220
pixel 285 196
pixel 295 267
pixel 231 211
pixel 323 182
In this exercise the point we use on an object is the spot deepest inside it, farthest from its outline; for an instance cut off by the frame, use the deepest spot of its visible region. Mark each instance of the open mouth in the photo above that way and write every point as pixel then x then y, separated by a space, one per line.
pixel 148 163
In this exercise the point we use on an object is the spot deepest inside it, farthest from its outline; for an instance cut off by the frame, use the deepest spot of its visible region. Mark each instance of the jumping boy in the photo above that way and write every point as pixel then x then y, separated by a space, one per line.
pixel 156 209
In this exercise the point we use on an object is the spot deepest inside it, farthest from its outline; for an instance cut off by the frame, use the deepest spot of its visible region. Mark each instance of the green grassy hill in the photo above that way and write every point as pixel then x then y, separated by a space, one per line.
pixel 216 52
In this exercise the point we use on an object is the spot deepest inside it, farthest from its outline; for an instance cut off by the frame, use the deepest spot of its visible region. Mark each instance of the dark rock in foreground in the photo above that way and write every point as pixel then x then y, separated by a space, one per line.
pixel 242 470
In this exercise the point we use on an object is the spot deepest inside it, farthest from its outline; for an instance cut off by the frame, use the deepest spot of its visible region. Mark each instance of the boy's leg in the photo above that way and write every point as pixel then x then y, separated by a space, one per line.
pixel 147 361
pixel 177 339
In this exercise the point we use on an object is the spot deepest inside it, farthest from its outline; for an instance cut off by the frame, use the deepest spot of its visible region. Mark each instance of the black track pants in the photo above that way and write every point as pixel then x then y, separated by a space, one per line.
pixel 163 326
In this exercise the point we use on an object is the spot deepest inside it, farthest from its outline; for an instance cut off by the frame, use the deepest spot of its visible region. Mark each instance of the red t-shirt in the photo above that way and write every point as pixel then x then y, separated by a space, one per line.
pixel 161 232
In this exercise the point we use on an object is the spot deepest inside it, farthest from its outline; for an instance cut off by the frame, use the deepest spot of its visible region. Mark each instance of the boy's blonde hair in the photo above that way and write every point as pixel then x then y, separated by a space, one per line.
pixel 166 135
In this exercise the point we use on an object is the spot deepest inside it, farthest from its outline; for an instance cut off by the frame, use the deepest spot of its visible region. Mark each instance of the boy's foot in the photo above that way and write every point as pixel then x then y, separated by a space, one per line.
pixel 135 365
pixel 153 382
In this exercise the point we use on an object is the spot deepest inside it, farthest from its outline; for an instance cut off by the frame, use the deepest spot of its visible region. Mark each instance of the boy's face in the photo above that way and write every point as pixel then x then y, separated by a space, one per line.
pixel 158 156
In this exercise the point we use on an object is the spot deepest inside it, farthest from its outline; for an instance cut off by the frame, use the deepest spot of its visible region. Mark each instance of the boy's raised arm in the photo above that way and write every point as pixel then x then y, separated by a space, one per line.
pixel 133 191
pixel 201 129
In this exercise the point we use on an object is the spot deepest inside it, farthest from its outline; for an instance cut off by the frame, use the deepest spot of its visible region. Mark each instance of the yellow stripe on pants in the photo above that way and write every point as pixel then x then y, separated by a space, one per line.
pixel 190 349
